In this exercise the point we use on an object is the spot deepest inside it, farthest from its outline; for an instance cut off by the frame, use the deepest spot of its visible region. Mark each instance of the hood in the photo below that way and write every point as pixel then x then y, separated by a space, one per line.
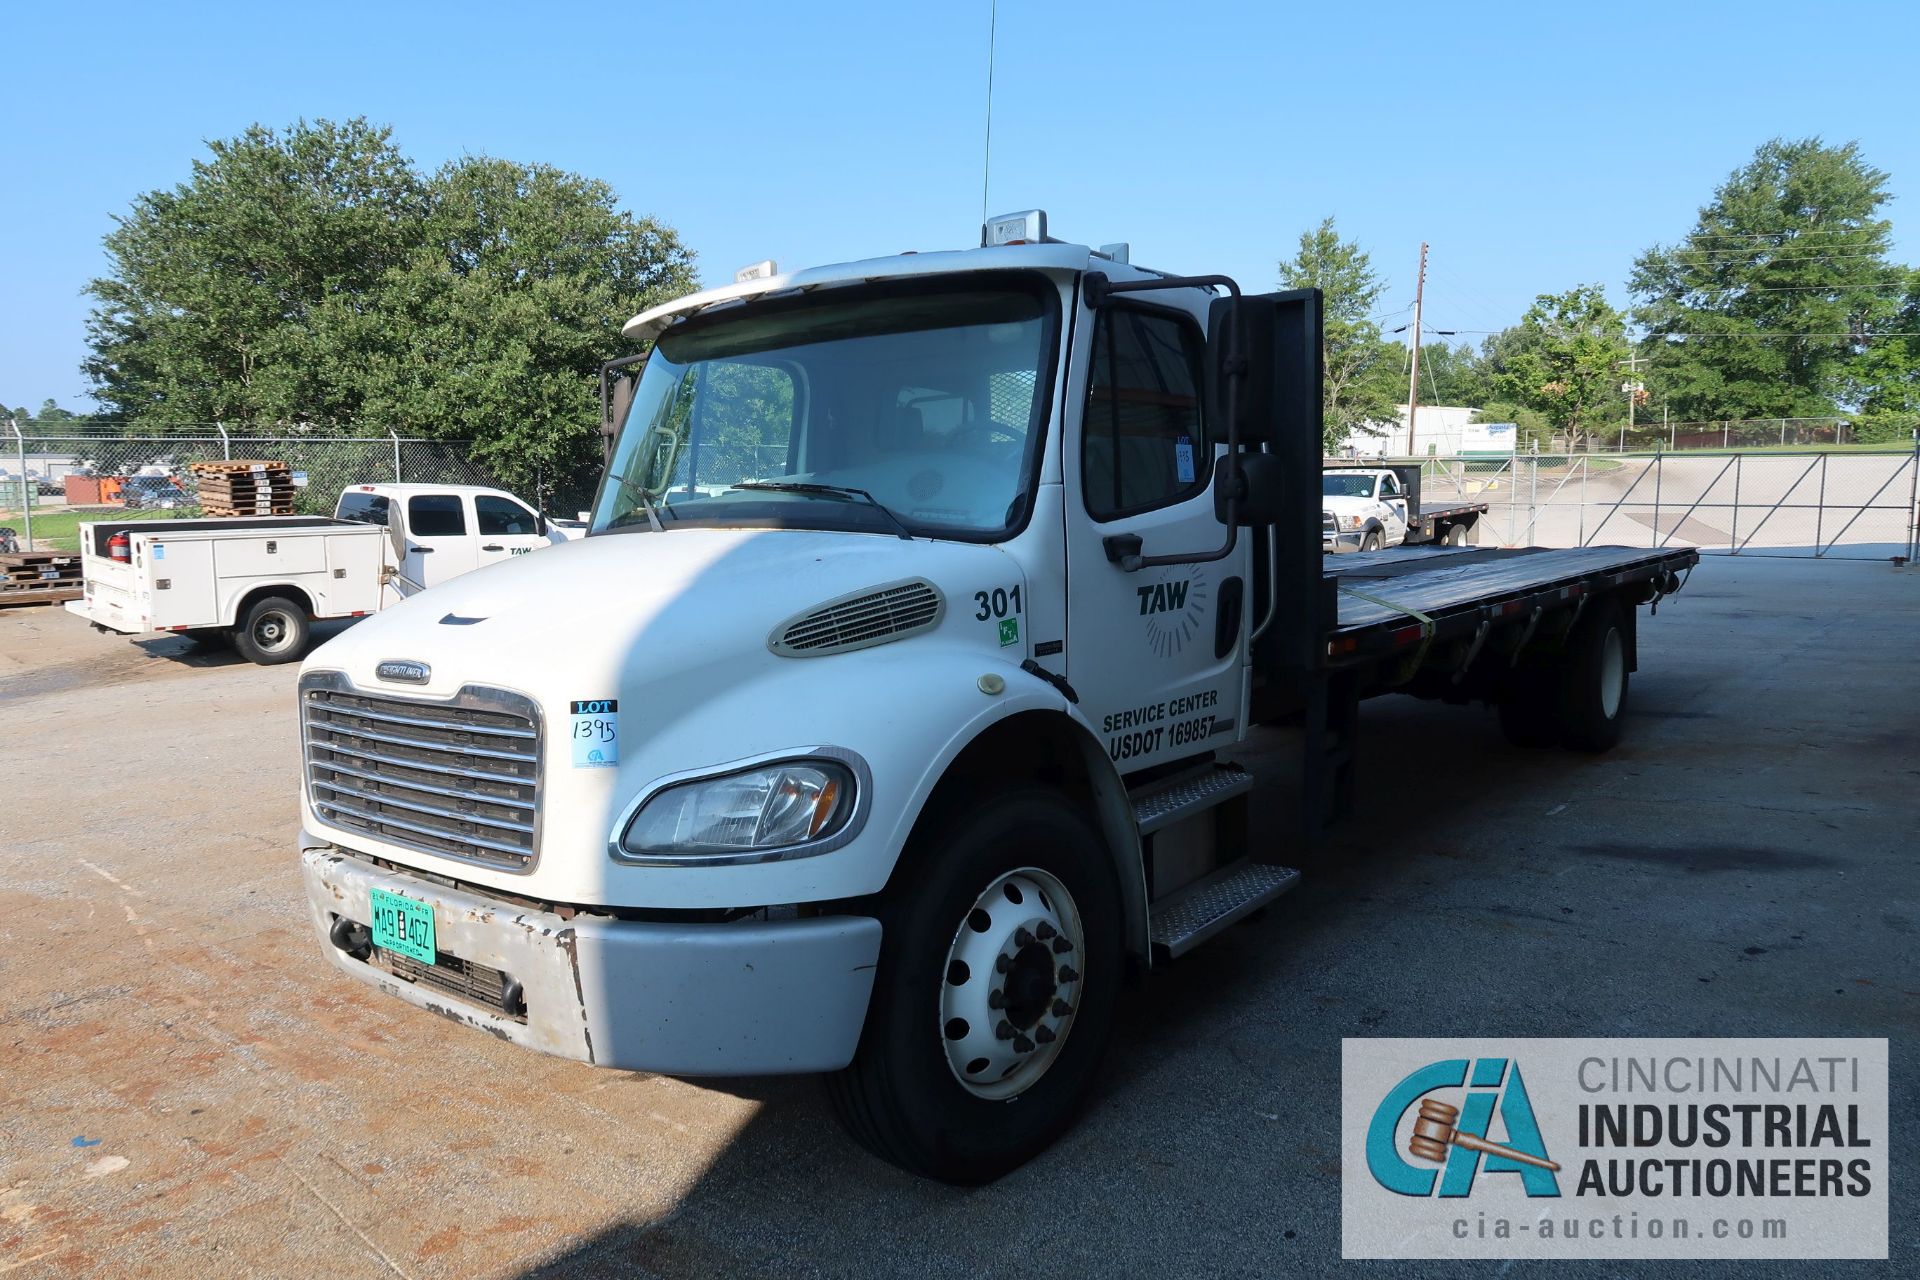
pixel 583 619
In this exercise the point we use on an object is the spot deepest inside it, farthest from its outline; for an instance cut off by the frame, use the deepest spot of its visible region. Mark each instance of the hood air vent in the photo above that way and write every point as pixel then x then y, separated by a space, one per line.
pixel 860 621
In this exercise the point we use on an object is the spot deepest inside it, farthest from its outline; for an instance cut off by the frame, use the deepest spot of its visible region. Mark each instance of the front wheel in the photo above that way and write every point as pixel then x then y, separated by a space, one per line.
pixel 995 993
pixel 273 631
pixel 1371 542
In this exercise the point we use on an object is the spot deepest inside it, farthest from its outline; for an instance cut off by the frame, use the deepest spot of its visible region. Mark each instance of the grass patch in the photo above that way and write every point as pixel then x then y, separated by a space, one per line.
pixel 60 530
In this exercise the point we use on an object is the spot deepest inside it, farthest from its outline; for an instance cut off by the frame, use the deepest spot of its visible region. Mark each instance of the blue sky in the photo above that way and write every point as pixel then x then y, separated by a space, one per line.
pixel 1535 146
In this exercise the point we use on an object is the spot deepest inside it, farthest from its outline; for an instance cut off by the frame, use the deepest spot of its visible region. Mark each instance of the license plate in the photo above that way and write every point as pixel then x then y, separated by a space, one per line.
pixel 403 925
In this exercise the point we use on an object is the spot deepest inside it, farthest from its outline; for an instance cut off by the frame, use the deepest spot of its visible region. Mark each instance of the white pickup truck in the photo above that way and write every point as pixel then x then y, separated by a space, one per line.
pixel 262 581
pixel 1373 508
pixel 877 726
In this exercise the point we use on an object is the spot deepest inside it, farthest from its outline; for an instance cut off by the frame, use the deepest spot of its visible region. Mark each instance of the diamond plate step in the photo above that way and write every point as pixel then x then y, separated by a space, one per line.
pixel 1188 917
pixel 1169 802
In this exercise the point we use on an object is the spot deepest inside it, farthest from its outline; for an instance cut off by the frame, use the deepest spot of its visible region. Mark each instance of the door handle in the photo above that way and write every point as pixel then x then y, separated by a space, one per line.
pixel 422 550
pixel 493 546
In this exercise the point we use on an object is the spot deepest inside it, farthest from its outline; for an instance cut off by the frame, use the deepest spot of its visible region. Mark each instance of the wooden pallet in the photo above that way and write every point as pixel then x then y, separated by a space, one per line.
pixel 35 569
pixel 43 593
pixel 240 466
pixel 218 511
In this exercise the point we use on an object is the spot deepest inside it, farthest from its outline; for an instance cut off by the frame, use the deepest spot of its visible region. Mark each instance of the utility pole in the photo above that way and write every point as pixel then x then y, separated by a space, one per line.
pixel 1632 387
pixel 1413 371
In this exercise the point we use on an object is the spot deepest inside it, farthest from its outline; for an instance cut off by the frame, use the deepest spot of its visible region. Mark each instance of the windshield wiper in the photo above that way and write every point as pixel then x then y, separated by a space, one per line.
pixel 830 491
pixel 629 485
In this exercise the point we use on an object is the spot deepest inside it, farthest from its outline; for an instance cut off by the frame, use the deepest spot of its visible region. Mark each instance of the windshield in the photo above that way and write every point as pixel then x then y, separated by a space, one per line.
pixel 928 397
pixel 1334 485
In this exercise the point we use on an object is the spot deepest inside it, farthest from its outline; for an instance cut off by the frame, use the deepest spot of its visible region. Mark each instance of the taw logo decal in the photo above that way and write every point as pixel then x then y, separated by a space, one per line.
pixel 1455 1137
pixel 1173 608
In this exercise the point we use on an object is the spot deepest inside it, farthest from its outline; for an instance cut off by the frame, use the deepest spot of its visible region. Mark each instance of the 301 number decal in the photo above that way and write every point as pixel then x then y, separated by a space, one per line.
pixel 997 603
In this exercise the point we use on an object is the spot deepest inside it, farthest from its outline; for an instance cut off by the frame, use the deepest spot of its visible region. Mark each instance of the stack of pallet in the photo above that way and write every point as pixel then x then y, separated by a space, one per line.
pixel 241 487
pixel 39 577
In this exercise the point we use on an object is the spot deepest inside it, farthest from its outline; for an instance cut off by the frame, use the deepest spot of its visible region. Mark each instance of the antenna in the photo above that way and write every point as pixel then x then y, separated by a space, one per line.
pixel 986 163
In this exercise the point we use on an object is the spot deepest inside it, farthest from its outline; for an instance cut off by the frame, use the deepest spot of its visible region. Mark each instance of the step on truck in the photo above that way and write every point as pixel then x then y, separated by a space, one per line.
pixel 261 582
pixel 882 724
pixel 1374 508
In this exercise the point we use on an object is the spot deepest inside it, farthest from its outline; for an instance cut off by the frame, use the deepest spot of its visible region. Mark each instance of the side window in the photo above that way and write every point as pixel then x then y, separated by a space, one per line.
pixel 495 515
pixel 1389 485
pixel 366 508
pixel 436 515
pixel 1143 444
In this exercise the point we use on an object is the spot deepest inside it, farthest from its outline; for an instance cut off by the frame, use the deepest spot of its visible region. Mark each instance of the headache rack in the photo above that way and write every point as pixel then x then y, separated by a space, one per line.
pixel 458 778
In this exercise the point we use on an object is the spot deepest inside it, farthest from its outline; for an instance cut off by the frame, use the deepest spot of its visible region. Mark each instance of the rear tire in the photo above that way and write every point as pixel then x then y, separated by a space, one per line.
pixel 947 924
pixel 1592 702
pixel 273 631
pixel 1456 535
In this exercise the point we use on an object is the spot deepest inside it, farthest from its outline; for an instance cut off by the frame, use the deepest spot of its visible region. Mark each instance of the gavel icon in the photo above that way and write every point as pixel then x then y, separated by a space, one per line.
pixel 1434 1130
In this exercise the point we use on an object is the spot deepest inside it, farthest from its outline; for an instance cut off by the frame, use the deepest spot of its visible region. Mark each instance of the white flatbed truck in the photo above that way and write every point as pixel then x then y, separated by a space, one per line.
pixel 262 581
pixel 1373 508
pixel 881 725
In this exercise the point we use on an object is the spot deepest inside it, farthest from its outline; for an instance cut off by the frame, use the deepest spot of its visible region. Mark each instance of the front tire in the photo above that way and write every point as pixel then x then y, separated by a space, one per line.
pixel 274 631
pixel 1010 916
pixel 1371 542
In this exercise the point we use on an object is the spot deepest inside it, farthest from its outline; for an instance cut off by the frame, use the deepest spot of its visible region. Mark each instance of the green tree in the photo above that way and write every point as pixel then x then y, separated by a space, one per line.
pixel 1362 375
pixel 494 327
pixel 1770 305
pixel 1564 362
pixel 1452 375
pixel 208 312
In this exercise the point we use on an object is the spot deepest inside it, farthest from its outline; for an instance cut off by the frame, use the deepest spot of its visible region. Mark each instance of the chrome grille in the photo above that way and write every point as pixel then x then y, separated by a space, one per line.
pixel 856 622
pixel 460 779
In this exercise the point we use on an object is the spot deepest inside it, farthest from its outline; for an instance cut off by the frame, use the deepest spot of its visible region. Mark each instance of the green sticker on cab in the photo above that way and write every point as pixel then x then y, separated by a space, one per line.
pixel 402 925
pixel 1009 631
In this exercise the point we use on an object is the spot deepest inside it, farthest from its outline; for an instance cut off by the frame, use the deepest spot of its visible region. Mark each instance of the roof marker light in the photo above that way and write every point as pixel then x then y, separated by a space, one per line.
pixel 756 271
pixel 1026 227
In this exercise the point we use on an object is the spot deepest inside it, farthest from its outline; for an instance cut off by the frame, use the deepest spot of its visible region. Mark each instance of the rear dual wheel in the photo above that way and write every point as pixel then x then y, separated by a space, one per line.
pixel 1576 697
pixel 994 997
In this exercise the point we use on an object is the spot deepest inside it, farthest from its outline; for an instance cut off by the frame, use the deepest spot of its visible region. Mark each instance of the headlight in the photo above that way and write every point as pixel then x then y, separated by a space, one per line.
pixel 773 806
pixel 1353 522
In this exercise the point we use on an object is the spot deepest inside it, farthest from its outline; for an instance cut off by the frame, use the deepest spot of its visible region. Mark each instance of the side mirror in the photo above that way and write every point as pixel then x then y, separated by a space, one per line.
pixel 1258 480
pixel 1240 368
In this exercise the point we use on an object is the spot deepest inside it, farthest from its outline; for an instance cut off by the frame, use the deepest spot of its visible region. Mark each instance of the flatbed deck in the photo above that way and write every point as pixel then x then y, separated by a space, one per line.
pixel 1390 599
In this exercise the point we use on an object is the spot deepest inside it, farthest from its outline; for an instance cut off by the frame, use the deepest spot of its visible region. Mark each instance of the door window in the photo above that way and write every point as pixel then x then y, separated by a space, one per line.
pixel 496 516
pixel 1143 443
pixel 1389 486
pixel 436 515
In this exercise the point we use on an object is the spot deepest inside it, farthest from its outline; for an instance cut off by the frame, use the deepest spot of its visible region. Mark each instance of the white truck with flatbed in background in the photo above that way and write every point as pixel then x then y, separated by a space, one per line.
pixel 262 581
pixel 1372 508
pixel 882 724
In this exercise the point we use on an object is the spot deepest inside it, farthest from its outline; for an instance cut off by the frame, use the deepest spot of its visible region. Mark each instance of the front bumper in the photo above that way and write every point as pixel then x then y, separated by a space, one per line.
pixel 744 998
pixel 1347 540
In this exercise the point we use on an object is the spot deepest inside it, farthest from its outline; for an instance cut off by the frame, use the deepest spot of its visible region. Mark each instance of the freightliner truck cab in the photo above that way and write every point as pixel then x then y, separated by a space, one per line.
pixel 872 728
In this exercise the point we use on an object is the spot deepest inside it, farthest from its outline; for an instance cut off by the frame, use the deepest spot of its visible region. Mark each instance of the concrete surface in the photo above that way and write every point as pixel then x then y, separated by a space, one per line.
pixel 185 1091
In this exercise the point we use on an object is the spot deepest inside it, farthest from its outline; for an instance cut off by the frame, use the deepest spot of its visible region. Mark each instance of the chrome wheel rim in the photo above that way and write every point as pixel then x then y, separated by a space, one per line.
pixel 1011 984
pixel 1613 674
pixel 273 631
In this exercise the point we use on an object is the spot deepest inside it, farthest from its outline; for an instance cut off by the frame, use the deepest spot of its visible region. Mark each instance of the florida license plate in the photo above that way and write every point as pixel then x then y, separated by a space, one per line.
pixel 403 925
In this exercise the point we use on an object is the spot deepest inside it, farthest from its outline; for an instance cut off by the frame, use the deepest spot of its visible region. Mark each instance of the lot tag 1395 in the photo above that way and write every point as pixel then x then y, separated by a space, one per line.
pixel 596 733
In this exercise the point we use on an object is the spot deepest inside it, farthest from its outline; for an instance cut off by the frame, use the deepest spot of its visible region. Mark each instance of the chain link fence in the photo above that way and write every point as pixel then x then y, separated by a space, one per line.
pixel 50 484
pixel 1837 504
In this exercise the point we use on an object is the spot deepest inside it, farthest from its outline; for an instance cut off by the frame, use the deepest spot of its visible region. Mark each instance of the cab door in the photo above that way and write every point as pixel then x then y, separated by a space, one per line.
pixel 437 540
pixel 1394 499
pixel 1155 654
pixel 505 528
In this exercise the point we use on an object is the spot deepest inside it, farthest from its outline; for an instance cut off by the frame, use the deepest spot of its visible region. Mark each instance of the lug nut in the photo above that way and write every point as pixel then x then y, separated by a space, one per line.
pixel 1001 964
pixel 1061 1008
pixel 1004 1031
pixel 1021 938
pixel 1043 1033
pixel 1022 1045
pixel 1068 974
pixel 996 999
pixel 1061 946
pixel 1043 931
